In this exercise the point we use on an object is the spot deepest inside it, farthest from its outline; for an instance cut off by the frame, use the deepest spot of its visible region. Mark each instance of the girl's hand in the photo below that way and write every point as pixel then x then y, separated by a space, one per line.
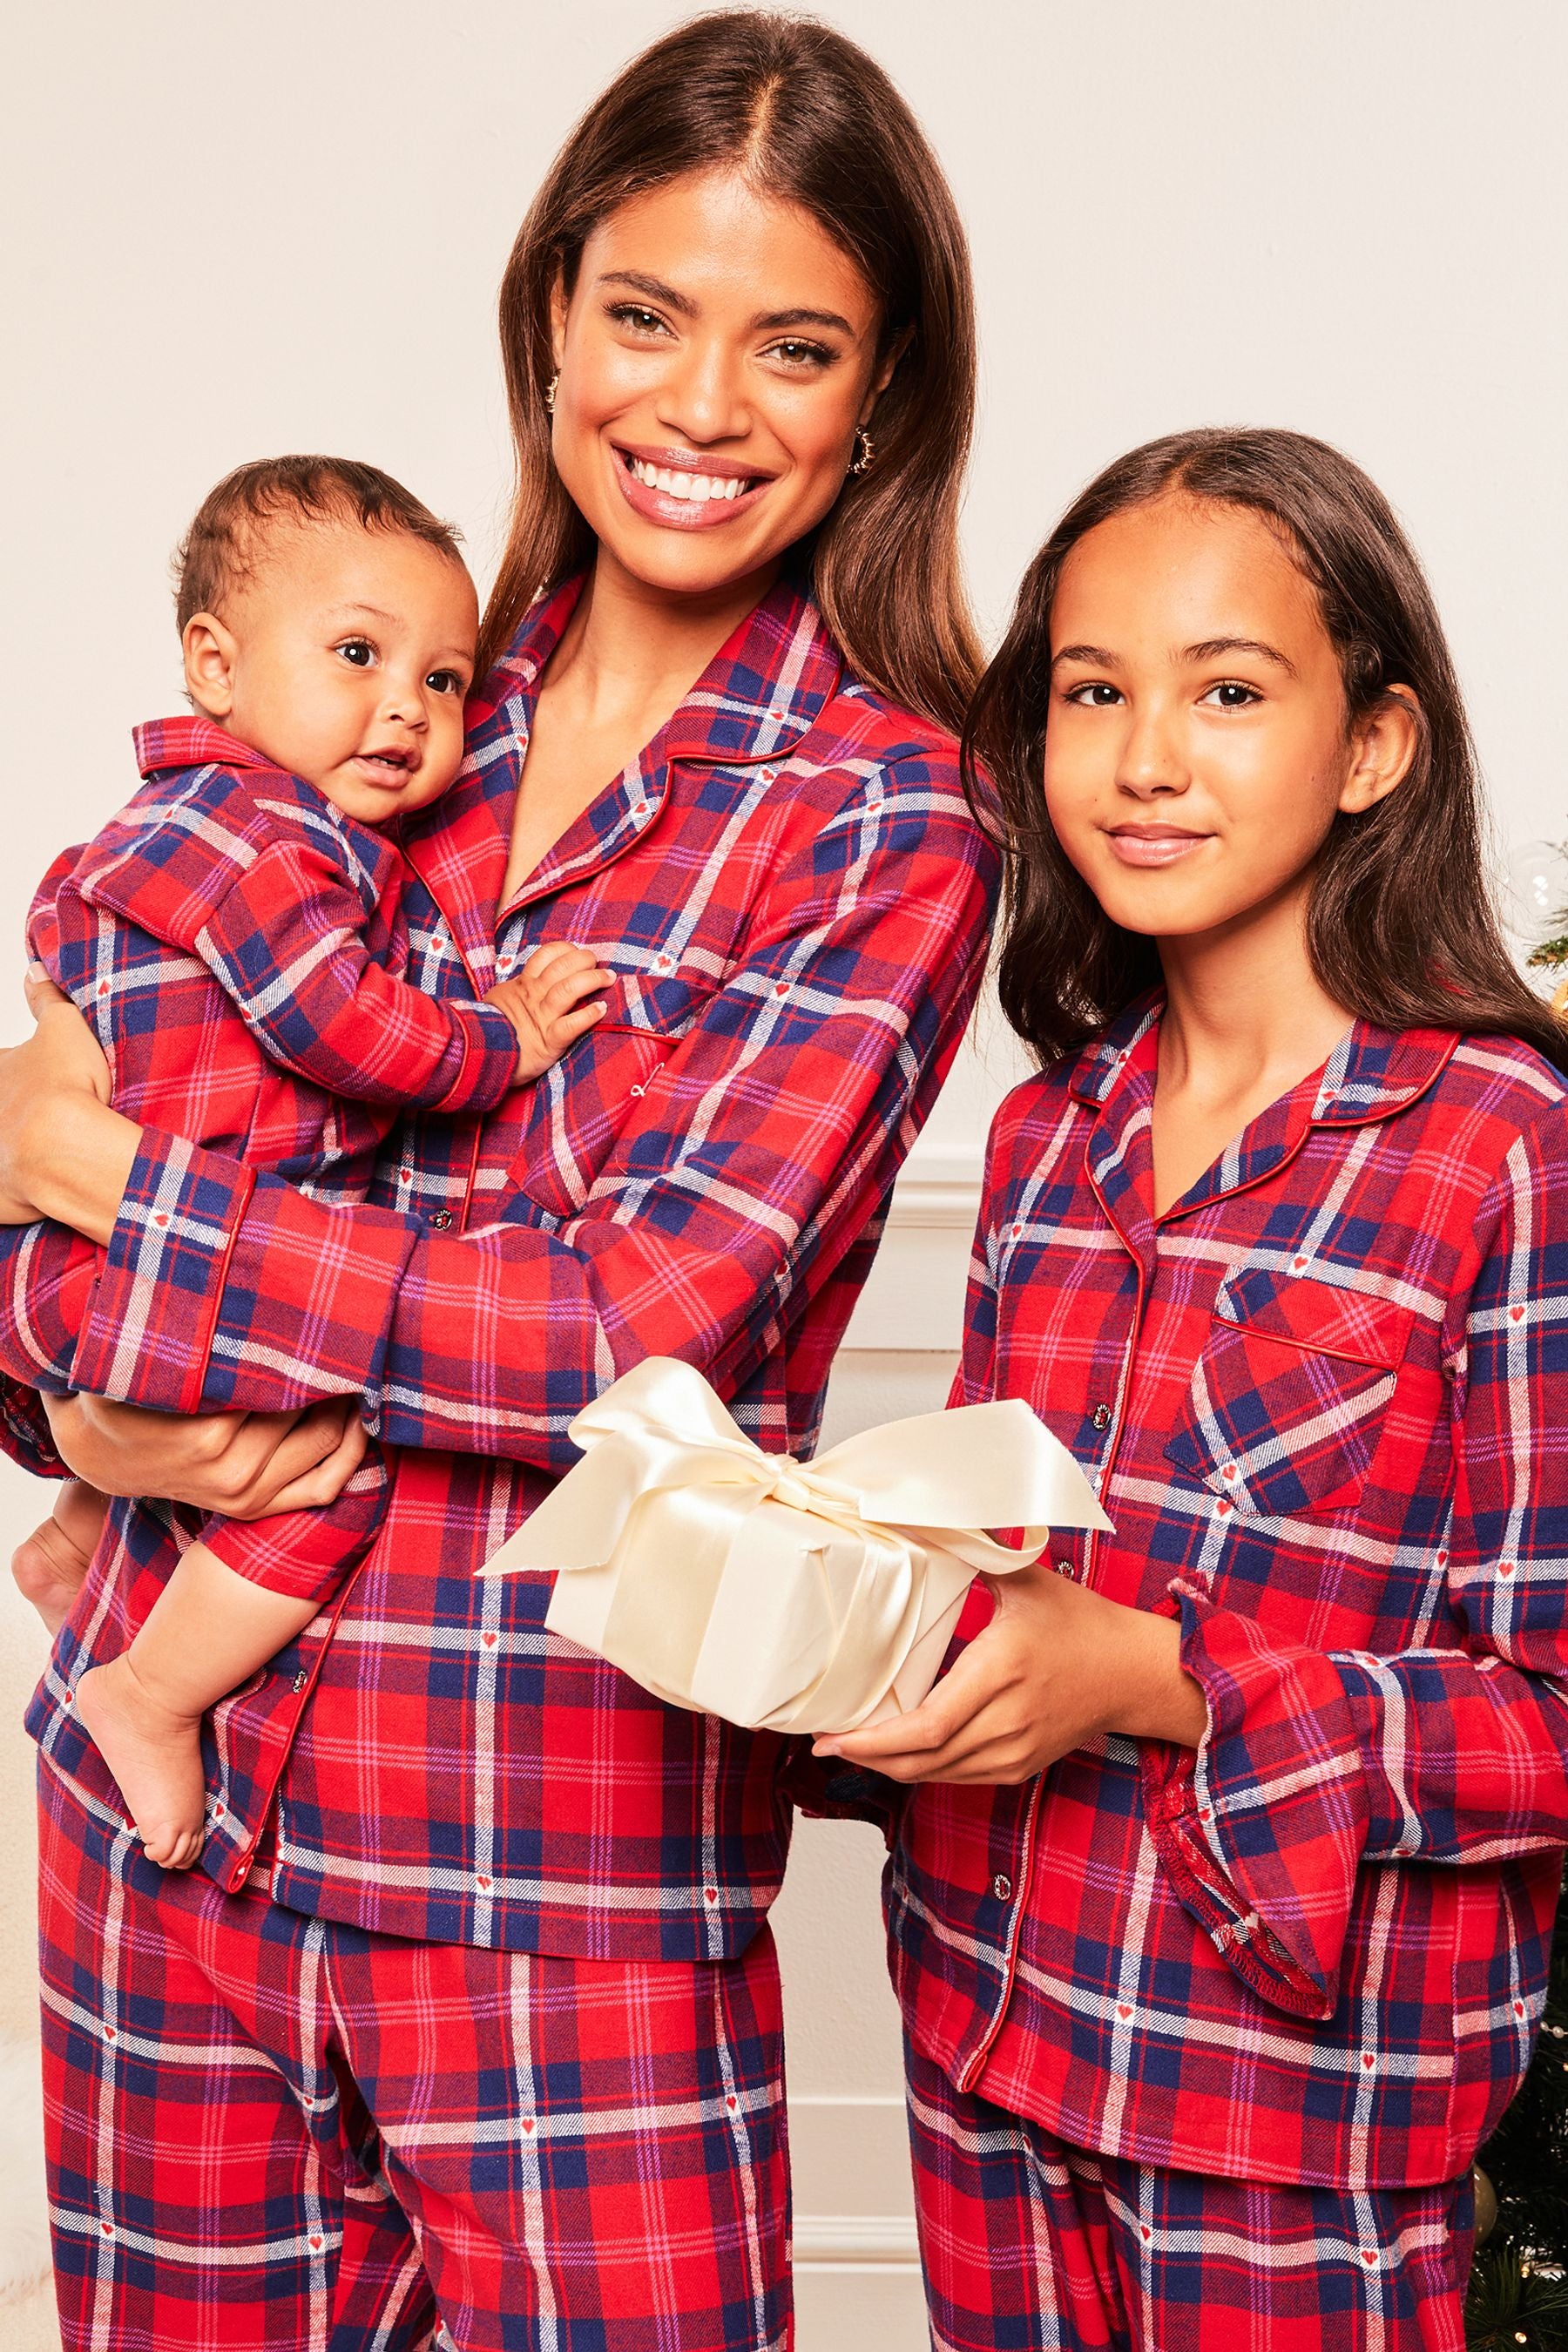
pixel 1055 1667
pixel 63 1152
pixel 245 1466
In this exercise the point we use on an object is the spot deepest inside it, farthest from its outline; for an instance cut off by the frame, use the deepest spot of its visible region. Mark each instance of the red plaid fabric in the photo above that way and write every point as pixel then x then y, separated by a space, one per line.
pixel 266 2130
pixel 1326 1402
pixel 793 897
pixel 238 944
pixel 1040 2247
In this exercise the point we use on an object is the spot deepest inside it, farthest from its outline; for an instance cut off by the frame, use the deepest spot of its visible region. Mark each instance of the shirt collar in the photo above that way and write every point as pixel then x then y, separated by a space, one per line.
pixel 759 697
pixel 191 743
pixel 1371 1074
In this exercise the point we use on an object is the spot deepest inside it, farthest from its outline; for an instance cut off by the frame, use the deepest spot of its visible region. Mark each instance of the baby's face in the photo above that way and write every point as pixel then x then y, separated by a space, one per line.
pixel 344 657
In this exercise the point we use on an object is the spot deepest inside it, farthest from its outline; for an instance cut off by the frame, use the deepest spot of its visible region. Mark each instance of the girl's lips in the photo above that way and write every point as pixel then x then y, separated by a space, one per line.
pixel 682 514
pixel 1155 845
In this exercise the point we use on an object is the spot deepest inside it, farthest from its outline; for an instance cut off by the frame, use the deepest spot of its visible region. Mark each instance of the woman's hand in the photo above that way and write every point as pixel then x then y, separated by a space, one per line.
pixel 245 1466
pixel 64 1153
pixel 1057 1666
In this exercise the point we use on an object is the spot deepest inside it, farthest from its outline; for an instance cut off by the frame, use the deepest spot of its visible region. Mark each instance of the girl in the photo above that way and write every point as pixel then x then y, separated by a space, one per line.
pixel 1221 1916
pixel 472 2010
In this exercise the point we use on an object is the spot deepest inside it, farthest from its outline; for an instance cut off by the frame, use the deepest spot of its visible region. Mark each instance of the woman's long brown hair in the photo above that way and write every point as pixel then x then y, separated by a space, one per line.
pixel 1401 928
pixel 808 116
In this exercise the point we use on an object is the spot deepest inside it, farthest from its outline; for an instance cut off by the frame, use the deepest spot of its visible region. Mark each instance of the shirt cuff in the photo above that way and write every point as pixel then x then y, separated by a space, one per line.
pixel 154 1310
pixel 1261 1832
pixel 488 1071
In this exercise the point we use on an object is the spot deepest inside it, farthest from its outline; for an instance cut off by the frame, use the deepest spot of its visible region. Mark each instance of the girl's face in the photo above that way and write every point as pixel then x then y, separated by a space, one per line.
pixel 1196 747
pixel 716 355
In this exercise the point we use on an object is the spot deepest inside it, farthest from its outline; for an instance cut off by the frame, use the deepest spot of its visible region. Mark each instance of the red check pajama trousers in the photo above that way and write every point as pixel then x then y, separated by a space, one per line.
pixel 1030 2245
pixel 269 2130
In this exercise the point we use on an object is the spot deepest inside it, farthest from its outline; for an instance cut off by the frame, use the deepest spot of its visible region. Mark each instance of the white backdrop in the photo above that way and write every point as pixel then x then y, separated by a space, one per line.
pixel 234 230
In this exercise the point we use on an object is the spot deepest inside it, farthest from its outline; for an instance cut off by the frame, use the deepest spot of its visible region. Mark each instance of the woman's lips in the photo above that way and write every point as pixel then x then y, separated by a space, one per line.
pixel 1153 844
pixel 703 513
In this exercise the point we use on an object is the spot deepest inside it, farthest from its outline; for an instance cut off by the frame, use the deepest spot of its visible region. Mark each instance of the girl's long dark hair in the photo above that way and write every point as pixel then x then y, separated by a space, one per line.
pixel 808 116
pixel 1401 928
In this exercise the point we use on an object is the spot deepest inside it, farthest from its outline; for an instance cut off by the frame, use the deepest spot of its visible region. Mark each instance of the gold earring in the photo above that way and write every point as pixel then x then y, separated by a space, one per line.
pixel 865 452
pixel 549 392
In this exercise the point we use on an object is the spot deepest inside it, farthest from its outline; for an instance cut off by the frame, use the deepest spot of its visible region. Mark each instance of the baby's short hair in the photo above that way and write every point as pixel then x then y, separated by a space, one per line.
pixel 216 554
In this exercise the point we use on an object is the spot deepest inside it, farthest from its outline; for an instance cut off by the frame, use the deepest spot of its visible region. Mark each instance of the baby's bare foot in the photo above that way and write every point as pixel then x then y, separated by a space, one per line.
pixel 49 1571
pixel 153 1753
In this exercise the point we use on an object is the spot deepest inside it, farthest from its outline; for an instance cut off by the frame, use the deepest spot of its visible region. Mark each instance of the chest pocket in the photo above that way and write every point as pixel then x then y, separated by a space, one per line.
pixel 1288 1393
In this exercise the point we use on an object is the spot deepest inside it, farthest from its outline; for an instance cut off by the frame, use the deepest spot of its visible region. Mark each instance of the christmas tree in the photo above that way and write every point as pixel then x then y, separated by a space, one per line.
pixel 1519 2286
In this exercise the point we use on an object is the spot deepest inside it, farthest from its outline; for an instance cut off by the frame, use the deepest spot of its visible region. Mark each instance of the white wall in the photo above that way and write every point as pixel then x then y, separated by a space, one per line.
pixel 234 230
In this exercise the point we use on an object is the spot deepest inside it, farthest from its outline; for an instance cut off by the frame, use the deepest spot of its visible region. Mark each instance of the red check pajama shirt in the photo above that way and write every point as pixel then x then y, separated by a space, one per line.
pixel 1324 1399
pixel 795 899
pixel 239 945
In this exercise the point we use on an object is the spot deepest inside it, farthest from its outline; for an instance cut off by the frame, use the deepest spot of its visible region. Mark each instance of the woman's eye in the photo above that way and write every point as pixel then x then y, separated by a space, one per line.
pixel 1095 694
pixel 641 321
pixel 797 354
pixel 359 651
pixel 444 681
pixel 1231 695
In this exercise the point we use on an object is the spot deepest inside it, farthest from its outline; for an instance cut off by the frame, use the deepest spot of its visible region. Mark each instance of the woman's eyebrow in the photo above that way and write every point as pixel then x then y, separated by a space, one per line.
pixel 775 319
pixel 654 288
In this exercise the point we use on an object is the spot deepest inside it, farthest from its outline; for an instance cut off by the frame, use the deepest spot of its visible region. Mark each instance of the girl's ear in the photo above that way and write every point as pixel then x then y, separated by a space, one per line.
pixel 557 318
pixel 209 650
pixel 1382 749
pixel 887 367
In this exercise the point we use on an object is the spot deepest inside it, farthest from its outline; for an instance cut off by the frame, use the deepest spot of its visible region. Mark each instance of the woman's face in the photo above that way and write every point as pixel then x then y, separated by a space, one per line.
pixel 716 355
pixel 1196 747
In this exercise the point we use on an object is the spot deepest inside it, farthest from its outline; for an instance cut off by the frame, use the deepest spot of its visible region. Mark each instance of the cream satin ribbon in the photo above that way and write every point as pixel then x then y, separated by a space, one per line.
pixel 783 1595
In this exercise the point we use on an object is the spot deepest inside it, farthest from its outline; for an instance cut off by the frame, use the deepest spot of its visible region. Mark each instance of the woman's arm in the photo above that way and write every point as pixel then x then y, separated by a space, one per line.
pixel 741 1178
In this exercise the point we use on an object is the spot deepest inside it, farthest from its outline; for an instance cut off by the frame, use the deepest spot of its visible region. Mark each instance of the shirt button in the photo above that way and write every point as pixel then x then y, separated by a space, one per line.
pixel 301 1679
pixel 1064 1567
pixel 441 1220
pixel 1101 1416
pixel 1002 1887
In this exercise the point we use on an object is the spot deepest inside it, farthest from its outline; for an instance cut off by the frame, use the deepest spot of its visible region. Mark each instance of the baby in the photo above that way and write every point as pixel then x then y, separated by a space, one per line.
pixel 236 938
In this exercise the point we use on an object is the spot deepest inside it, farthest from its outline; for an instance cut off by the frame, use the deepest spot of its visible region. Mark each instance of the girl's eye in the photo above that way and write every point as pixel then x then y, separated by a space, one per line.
pixel 444 681
pixel 638 317
pixel 359 651
pixel 1231 695
pixel 1095 694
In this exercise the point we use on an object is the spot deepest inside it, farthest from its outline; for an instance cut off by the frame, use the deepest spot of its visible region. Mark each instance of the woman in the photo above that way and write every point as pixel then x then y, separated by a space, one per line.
pixel 474 2010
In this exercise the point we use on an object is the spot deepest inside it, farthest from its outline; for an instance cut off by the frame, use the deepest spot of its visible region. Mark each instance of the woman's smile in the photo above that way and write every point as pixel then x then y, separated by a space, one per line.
pixel 684 490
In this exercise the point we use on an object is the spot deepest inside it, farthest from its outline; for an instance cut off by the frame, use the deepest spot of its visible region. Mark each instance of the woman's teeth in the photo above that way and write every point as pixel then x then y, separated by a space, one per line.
pixel 698 487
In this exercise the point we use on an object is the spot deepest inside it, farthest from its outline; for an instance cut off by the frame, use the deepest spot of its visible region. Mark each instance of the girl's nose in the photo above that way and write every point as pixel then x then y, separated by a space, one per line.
pixel 1151 760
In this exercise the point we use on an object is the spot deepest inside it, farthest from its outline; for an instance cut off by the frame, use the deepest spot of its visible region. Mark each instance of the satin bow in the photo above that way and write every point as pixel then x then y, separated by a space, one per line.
pixel 785 1595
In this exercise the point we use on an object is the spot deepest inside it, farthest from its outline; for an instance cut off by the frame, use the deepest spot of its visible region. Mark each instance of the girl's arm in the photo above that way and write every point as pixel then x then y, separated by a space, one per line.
pixel 744 1172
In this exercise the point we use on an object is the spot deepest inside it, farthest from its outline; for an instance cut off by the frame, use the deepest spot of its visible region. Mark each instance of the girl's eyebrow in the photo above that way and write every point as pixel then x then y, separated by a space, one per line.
pixel 1211 648
pixel 1206 649
pixel 1095 656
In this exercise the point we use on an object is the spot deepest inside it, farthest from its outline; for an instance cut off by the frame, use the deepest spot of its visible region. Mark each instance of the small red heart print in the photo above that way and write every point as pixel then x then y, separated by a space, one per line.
pixel 1516 1313
pixel 489 1640
pixel 1123 2010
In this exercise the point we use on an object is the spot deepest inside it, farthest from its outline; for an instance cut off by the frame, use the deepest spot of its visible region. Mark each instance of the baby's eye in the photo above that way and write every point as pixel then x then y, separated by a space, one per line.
pixel 1231 694
pixel 1094 694
pixel 357 650
pixel 444 681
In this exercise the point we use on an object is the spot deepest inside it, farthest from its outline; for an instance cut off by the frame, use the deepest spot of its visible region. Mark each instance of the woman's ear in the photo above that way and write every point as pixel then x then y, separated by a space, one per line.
pixel 558 306
pixel 883 374
pixel 209 650
pixel 1382 749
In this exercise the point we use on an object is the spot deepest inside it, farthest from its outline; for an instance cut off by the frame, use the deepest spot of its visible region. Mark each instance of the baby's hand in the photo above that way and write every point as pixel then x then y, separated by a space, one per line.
pixel 50 1566
pixel 545 1003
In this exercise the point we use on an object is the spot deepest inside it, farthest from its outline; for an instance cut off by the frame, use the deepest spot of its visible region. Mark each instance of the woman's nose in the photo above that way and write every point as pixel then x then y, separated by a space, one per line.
pixel 701 399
